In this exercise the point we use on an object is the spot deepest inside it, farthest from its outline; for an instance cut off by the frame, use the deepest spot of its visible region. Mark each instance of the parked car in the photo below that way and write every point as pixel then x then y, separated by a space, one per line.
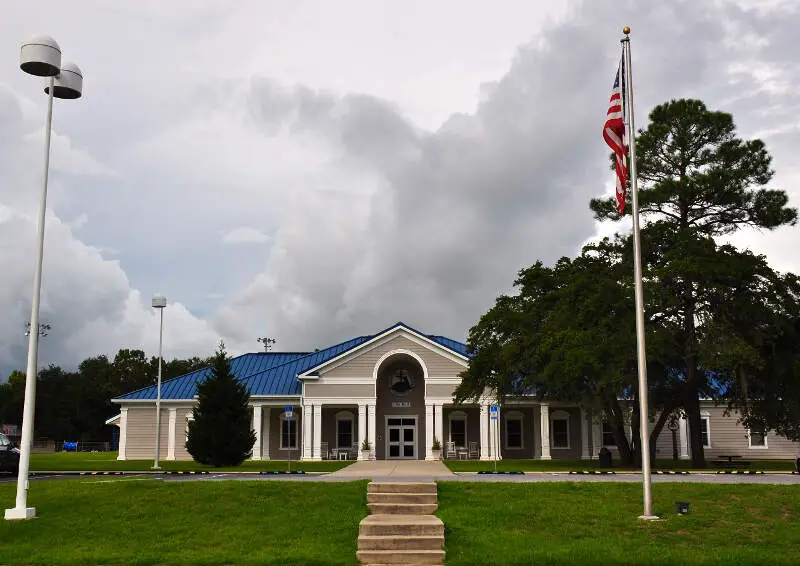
pixel 9 455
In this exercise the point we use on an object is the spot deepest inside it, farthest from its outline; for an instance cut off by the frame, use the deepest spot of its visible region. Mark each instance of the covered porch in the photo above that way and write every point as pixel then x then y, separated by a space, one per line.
pixel 520 431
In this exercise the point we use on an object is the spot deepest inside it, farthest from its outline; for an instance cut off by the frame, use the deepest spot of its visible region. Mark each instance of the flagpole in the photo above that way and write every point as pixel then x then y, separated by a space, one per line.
pixel 639 292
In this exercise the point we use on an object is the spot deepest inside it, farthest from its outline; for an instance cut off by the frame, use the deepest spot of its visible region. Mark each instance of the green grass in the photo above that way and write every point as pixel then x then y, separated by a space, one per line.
pixel 107 462
pixel 578 465
pixel 132 521
pixel 596 523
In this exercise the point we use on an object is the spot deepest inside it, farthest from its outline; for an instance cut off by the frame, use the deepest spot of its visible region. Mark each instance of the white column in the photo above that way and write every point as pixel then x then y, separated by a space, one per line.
pixel 498 439
pixel 438 422
pixel 584 434
pixel 545 408
pixel 123 433
pixel 429 431
pixel 257 429
pixel 317 450
pixel 683 432
pixel 484 426
pixel 266 415
pixel 597 437
pixel 173 417
pixel 362 430
pixel 307 429
pixel 371 428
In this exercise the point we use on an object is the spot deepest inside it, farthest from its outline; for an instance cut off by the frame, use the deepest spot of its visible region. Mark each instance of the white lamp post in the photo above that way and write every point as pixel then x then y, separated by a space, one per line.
pixel 159 302
pixel 40 56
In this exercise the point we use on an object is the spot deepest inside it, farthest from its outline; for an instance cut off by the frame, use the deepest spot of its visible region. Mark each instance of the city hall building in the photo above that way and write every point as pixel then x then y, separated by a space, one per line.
pixel 395 389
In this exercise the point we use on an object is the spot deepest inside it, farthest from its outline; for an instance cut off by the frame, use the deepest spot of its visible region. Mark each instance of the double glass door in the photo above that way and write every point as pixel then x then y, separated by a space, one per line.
pixel 402 437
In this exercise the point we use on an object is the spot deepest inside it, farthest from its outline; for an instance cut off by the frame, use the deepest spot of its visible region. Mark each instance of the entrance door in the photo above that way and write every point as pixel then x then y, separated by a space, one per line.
pixel 401 435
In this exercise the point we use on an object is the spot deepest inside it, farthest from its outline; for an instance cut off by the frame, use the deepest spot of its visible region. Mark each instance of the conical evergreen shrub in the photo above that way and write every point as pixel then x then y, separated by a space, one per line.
pixel 221 433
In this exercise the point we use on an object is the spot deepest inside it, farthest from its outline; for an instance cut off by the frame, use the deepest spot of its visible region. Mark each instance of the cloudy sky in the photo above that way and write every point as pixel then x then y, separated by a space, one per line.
pixel 315 170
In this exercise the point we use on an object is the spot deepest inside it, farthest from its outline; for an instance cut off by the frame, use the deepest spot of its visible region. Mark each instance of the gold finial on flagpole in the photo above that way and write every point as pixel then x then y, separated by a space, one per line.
pixel 626 30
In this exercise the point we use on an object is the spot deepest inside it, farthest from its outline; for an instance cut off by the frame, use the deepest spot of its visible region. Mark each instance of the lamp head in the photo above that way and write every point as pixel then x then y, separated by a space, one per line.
pixel 40 56
pixel 159 301
pixel 68 84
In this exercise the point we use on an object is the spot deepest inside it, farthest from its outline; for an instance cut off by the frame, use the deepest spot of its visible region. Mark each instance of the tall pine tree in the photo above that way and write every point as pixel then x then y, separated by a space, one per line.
pixel 698 181
pixel 221 433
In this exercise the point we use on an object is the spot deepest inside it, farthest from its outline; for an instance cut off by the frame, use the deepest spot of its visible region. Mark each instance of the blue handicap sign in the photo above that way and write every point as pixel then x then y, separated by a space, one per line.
pixel 288 411
pixel 493 410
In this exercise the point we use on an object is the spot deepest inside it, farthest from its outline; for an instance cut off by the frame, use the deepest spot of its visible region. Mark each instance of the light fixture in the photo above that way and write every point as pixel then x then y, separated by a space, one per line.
pixel 159 302
pixel 40 56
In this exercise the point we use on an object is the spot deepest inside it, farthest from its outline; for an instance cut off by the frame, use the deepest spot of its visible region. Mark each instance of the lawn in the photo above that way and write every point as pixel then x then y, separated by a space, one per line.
pixel 132 521
pixel 107 462
pixel 579 465
pixel 593 523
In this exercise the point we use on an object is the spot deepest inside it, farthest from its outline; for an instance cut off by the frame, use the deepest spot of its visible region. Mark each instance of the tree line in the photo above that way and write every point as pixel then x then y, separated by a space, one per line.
pixel 720 323
pixel 74 405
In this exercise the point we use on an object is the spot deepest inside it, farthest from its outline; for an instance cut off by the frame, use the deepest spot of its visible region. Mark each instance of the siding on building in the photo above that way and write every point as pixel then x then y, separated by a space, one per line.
pixel 412 403
pixel 362 364
pixel 140 444
pixel 728 437
pixel 529 438
pixel 329 424
pixel 439 390
pixel 663 442
pixel 275 452
pixel 473 416
pixel 574 450
pixel 344 390
pixel 537 431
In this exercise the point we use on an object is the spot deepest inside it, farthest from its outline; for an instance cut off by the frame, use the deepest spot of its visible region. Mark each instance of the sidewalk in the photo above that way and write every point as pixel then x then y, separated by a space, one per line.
pixel 393 469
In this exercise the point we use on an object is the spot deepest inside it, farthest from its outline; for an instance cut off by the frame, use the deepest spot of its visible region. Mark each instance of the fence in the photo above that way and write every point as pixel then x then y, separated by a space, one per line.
pixel 88 446
pixel 47 446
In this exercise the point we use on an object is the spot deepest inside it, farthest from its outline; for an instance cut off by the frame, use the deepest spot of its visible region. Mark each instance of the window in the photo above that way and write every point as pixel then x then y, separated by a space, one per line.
pixel 514 430
pixel 705 429
pixel 608 435
pixel 559 429
pixel 344 429
pixel 458 429
pixel 288 434
pixel 757 438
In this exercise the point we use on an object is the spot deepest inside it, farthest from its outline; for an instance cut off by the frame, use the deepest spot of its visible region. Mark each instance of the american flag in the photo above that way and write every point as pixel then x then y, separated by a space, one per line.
pixel 614 134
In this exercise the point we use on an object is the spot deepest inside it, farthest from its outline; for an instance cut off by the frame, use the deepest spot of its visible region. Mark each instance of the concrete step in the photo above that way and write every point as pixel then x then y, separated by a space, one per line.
pixel 400 543
pixel 401 525
pixel 402 508
pixel 401 498
pixel 401 487
pixel 422 557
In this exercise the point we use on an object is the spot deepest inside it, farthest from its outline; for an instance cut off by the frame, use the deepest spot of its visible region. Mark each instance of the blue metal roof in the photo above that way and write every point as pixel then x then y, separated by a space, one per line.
pixel 282 380
pixel 272 373
pixel 185 386
pixel 451 344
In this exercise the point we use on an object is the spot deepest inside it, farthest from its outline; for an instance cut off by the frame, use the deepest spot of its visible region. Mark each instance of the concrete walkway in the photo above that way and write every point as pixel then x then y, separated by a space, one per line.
pixel 372 469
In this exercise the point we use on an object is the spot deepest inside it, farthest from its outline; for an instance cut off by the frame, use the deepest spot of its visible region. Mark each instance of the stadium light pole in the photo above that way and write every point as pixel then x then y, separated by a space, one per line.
pixel 40 56
pixel 160 303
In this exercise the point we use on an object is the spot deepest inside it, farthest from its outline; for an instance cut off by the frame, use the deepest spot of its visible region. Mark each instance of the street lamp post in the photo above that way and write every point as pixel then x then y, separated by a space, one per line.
pixel 159 302
pixel 40 56
pixel 673 427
